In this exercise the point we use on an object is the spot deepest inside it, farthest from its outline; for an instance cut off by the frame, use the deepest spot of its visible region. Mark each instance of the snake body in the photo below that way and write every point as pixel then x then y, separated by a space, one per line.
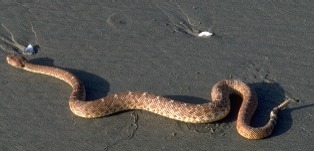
pixel 212 111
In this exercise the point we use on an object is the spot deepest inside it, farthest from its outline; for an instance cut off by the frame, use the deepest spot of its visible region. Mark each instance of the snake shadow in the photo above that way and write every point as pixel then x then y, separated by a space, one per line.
pixel 269 96
pixel 95 86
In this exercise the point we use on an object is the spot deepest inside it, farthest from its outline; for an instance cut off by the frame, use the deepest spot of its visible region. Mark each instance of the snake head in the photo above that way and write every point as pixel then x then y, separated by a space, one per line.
pixel 16 61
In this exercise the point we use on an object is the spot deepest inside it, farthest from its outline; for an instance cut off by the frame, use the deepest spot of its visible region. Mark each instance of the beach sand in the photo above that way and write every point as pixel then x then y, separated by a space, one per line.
pixel 151 46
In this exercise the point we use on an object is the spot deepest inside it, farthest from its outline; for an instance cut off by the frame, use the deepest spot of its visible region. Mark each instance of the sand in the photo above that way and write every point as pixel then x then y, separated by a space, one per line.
pixel 151 46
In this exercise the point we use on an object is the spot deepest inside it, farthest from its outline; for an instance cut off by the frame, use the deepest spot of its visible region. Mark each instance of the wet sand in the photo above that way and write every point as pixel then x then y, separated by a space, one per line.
pixel 151 46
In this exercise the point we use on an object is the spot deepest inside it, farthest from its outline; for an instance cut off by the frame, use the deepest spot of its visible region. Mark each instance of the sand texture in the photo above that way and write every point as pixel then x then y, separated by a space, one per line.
pixel 152 46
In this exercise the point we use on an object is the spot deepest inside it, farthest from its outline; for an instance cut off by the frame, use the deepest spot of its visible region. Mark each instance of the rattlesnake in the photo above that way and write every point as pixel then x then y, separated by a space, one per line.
pixel 212 111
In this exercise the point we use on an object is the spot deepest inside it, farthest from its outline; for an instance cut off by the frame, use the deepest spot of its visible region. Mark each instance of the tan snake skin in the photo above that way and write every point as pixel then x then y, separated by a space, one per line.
pixel 212 111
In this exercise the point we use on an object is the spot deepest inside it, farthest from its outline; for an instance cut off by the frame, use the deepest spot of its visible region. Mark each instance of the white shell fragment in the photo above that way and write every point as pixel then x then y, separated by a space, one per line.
pixel 29 50
pixel 205 34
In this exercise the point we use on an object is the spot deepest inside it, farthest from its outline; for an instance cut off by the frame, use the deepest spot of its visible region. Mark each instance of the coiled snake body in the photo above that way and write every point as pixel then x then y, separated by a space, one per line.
pixel 215 110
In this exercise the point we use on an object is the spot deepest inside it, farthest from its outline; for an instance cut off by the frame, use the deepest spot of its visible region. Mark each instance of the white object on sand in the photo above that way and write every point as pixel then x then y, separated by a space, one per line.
pixel 205 34
pixel 29 50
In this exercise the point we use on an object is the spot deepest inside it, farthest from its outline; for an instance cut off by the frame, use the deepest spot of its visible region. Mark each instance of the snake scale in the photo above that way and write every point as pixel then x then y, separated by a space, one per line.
pixel 212 111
